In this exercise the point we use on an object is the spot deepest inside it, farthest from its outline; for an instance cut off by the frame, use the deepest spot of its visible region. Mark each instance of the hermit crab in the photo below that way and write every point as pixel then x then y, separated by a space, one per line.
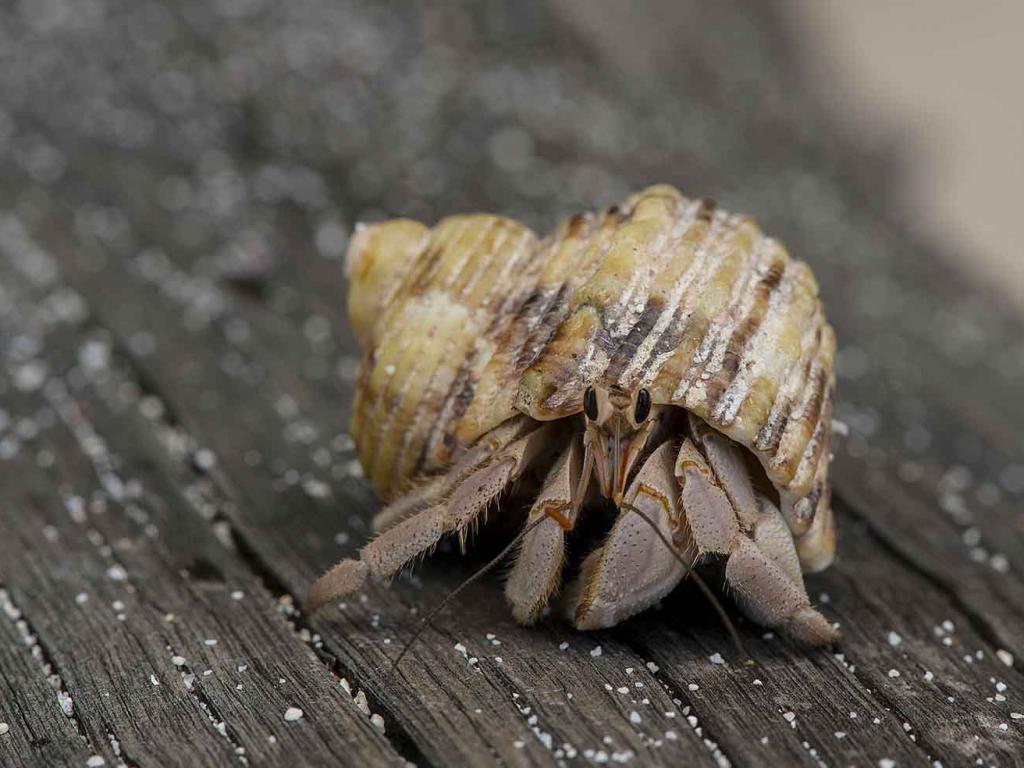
pixel 661 356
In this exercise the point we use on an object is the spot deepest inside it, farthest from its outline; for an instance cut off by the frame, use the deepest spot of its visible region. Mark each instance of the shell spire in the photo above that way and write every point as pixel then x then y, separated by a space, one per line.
pixel 378 257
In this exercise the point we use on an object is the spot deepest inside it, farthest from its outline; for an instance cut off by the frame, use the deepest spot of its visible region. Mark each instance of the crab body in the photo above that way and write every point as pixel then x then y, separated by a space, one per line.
pixel 662 354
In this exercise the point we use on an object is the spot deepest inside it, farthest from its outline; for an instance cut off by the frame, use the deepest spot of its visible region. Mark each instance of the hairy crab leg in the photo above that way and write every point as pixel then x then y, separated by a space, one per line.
pixel 762 568
pixel 710 515
pixel 633 568
pixel 437 488
pixel 389 552
pixel 537 572
pixel 761 574
pixel 727 462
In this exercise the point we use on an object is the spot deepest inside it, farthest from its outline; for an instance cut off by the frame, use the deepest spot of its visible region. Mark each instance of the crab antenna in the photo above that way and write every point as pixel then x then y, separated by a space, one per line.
pixel 690 571
pixel 486 568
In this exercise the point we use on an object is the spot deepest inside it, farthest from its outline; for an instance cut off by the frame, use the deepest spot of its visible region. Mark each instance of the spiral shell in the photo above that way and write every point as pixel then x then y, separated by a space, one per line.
pixel 475 320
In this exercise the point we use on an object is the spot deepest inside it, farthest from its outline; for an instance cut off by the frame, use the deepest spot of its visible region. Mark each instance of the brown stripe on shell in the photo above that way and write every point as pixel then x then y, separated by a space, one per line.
pixel 460 395
pixel 801 424
pixel 743 332
pixel 416 391
pixel 421 387
pixel 710 359
pixel 811 474
pixel 817 447
pixel 556 306
pixel 575 225
pixel 539 333
pixel 626 349
pixel 425 268
pixel 770 435
pixel 721 256
pixel 686 292
pixel 515 313
pixel 441 444
pixel 627 366
pixel 681 309
pixel 438 444
pixel 544 338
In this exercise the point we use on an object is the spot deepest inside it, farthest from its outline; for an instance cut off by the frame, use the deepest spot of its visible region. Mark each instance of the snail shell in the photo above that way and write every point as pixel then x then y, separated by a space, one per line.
pixel 470 322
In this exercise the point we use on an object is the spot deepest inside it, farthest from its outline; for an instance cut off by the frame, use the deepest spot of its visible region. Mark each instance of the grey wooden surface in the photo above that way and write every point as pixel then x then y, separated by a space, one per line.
pixel 178 183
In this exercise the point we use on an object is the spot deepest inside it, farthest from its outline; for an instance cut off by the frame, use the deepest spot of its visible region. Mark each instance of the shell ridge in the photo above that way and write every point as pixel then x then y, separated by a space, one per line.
pixel 712 254
pixel 448 232
pixel 792 306
pixel 685 294
pixel 656 312
pixel 716 322
pixel 444 234
pixel 770 434
pixel 646 348
pixel 414 390
pixel 731 399
pixel 738 353
pixel 490 250
pixel 591 258
pixel 469 255
pixel 712 349
pixel 463 387
pixel 626 311
pixel 803 419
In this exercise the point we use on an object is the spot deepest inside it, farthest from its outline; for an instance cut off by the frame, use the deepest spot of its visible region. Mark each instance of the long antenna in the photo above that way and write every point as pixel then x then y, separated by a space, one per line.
pixel 455 592
pixel 726 621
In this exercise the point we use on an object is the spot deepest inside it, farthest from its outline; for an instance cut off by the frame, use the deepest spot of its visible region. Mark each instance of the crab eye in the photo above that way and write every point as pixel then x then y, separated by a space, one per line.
pixel 590 403
pixel 643 406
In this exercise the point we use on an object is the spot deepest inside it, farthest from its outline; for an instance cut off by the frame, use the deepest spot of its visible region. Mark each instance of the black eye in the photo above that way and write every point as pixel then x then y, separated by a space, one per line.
pixel 590 403
pixel 643 406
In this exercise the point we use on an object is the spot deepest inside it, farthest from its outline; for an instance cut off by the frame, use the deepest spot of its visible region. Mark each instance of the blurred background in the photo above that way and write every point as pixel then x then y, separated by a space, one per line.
pixel 223 150
pixel 178 181
pixel 941 82
pixel 394 107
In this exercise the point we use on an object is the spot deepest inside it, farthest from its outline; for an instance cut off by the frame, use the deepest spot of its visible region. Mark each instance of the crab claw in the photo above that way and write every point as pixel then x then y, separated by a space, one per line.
pixel 634 568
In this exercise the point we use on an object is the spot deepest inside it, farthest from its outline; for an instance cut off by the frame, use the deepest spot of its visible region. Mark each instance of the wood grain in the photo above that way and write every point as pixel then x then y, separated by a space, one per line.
pixel 176 376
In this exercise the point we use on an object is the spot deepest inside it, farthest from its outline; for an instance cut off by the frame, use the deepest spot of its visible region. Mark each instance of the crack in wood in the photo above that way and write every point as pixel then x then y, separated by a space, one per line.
pixel 922 742
pixel 712 742
pixel 271 582
pixel 45 660
pixel 124 761
pixel 975 620
pixel 394 733
pixel 190 681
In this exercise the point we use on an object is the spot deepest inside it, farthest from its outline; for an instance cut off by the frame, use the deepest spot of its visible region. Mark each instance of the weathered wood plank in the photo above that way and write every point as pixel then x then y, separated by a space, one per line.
pixel 785 162
pixel 168 644
pixel 825 699
pixel 258 188
pixel 33 728
pixel 289 527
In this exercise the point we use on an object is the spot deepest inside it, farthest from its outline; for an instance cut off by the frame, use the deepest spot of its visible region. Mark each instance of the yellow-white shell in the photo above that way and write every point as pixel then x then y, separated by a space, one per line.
pixel 470 322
